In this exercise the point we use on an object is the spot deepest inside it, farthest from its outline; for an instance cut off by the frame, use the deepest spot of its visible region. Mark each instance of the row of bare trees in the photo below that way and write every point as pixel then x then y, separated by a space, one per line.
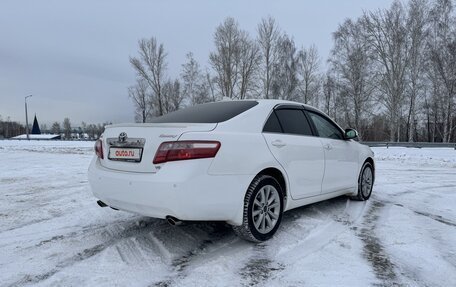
pixel 93 131
pixel 398 66
pixel 391 73
pixel 269 66
pixel 9 129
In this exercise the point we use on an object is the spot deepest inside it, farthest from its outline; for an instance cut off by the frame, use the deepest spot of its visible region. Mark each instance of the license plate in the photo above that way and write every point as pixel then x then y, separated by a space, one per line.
pixel 125 154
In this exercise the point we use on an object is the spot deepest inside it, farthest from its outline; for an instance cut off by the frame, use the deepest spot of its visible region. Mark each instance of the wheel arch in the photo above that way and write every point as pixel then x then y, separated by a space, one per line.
pixel 371 161
pixel 281 179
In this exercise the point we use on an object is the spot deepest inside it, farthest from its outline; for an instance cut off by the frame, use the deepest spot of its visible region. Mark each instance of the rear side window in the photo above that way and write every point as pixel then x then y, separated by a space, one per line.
pixel 272 125
pixel 294 122
pixel 207 113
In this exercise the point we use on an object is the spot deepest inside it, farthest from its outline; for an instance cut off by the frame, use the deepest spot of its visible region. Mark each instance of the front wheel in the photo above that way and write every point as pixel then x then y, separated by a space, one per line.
pixel 263 208
pixel 365 182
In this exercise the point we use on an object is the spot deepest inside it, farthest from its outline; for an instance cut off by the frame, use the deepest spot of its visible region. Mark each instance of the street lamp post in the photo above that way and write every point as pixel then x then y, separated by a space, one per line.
pixel 26 118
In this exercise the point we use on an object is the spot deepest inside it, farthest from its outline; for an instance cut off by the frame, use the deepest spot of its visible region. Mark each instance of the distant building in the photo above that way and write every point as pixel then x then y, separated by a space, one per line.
pixel 36 128
pixel 36 134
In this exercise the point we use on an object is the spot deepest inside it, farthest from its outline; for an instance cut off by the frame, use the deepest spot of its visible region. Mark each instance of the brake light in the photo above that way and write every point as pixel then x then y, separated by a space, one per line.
pixel 183 150
pixel 99 148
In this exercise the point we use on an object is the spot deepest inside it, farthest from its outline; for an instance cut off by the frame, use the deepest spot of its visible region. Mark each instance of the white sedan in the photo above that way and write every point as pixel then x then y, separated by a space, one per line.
pixel 243 162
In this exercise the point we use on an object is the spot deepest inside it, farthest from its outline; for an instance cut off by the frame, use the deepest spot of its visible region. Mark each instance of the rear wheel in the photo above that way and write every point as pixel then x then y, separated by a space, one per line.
pixel 365 182
pixel 263 208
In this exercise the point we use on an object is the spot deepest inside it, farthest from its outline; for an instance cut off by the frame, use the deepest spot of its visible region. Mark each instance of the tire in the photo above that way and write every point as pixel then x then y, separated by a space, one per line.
pixel 261 217
pixel 365 182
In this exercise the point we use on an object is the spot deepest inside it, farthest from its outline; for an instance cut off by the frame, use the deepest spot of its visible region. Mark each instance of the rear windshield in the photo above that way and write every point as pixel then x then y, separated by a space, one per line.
pixel 207 113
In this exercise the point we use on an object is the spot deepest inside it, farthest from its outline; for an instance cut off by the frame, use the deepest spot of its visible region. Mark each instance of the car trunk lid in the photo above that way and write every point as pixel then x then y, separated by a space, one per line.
pixel 132 147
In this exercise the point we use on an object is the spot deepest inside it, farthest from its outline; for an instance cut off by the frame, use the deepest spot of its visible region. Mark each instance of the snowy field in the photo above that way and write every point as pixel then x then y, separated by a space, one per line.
pixel 52 232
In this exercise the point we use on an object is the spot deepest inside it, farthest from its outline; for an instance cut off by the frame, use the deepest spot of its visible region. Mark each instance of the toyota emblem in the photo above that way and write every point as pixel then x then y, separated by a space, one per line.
pixel 122 137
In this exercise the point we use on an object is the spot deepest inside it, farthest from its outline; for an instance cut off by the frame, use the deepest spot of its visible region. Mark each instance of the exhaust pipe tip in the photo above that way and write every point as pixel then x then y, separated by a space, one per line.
pixel 173 221
pixel 101 203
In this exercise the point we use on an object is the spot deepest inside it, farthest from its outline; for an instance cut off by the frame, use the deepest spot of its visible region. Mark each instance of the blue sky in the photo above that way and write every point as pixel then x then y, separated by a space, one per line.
pixel 73 56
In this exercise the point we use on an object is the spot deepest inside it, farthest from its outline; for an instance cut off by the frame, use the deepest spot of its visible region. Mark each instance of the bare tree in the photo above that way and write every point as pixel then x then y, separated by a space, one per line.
pixel 172 96
pixel 285 85
pixel 268 34
pixel 43 128
pixel 415 74
pixel 210 82
pixel 442 50
pixel 388 37
pixel 249 60
pixel 142 99
pixel 151 66
pixel 83 126
pixel 329 94
pixel 55 129
pixel 309 69
pixel 67 128
pixel 225 60
pixel 92 130
pixel 191 77
pixel 194 86
pixel 351 62
pixel 100 128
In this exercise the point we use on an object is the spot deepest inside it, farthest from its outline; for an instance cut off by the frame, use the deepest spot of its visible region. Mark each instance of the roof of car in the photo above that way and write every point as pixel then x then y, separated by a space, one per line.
pixel 274 102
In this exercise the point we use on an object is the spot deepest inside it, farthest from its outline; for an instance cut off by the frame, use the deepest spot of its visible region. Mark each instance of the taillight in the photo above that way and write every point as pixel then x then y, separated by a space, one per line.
pixel 183 150
pixel 99 148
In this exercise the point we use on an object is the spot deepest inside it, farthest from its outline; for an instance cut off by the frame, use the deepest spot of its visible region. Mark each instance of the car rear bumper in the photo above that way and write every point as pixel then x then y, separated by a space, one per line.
pixel 183 190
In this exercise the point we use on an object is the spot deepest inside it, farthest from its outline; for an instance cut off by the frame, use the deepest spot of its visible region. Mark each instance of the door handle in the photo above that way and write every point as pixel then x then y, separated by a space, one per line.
pixel 328 147
pixel 278 143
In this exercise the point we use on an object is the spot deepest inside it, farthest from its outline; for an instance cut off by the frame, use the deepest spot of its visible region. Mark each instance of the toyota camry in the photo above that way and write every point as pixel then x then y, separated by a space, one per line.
pixel 243 162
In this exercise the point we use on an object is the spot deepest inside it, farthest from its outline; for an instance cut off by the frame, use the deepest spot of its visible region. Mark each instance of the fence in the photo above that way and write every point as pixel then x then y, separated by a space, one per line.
pixel 411 144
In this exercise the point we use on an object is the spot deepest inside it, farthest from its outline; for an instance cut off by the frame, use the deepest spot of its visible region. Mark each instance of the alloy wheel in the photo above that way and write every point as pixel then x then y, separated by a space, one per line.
pixel 366 182
pixel 266 209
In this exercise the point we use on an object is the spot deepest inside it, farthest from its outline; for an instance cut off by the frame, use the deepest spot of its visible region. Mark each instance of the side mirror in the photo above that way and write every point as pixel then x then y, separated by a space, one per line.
pixel 350 134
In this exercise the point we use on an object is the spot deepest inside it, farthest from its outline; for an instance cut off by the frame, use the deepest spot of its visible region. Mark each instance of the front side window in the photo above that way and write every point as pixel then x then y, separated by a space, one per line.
pixel 325 128
pixel 294 122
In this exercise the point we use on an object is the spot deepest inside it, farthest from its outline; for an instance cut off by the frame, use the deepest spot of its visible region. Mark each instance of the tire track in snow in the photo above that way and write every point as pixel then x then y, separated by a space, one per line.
pixel 334 217
pixel 448 256
pixel 261 265
pixel 259 268
pixel 147 233
pixel 85 254
pixel 373 249
pixel 136 229
pixel 405 271
pixel 205 240
pixel 215 233
pixel 435 217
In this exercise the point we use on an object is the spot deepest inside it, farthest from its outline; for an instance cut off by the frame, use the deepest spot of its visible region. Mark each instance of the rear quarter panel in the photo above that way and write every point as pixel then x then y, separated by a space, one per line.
pixel 239 153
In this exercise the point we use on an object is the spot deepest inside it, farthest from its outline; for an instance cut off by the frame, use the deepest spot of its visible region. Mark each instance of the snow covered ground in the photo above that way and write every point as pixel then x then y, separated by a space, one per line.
pixel 52 233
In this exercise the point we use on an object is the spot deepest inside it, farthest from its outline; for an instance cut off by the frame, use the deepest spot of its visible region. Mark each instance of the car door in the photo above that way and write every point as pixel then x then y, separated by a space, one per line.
pixel 290 139
pixel 341 156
